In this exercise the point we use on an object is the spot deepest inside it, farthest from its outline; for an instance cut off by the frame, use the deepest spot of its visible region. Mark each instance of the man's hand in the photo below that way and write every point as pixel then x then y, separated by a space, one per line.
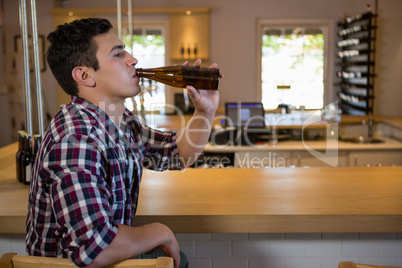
pixel 193 138
pixel 205 101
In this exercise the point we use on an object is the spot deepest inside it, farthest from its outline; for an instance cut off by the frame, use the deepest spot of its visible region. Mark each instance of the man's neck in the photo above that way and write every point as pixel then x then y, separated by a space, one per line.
pixel 114 109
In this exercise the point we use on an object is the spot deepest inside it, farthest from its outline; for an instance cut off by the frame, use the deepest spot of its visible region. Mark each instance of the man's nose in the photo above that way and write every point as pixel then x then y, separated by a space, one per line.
pixel 132 61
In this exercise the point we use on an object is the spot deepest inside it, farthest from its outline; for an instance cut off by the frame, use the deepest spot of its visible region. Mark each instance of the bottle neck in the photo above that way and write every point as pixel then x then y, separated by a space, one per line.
pixel 138 72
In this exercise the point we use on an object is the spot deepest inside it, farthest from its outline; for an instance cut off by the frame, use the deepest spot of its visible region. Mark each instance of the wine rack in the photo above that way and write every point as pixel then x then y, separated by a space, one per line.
pixel 356 62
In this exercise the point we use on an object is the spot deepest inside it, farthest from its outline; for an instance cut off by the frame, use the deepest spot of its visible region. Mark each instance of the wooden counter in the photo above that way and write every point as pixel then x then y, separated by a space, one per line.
pixel 288 121
pixel 301 200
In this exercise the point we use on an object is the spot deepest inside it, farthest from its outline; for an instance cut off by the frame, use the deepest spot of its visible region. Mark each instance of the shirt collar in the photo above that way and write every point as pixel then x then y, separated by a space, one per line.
pixel 101 117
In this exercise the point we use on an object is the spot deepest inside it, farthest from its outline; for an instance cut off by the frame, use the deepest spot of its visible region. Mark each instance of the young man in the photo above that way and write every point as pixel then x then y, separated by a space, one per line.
pixel 84 191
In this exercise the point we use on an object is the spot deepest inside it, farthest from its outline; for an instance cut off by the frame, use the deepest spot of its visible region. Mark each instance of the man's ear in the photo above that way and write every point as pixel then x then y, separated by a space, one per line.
pixel 82 76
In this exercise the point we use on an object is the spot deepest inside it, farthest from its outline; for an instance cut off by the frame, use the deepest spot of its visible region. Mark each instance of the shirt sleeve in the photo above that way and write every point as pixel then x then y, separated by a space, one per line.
pixel 158 148
pixel 79 197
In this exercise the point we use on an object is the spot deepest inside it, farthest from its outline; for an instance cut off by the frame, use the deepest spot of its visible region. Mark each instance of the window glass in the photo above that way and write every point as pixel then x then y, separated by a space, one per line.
pixel 148 46
pixel 292 66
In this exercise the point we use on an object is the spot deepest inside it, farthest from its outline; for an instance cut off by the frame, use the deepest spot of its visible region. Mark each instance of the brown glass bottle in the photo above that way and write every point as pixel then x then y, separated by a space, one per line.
pixel 26 166
pixel 36 143
pixel 18 155
pixel 181 76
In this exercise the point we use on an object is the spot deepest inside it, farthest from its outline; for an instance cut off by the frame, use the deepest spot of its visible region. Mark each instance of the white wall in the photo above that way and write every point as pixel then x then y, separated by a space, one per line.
pixel 5 129
pixel 388 88
pixel 233 39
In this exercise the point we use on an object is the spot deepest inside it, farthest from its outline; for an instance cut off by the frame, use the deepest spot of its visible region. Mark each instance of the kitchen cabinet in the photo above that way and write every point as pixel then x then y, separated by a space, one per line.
pixel 375 158
pixel 316 154
pixel 290 158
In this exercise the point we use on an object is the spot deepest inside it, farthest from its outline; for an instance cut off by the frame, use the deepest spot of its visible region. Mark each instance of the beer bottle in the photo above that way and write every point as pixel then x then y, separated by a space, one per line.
pixel 181 76
pixel 27 160
pixel 18 155
pixel 36 143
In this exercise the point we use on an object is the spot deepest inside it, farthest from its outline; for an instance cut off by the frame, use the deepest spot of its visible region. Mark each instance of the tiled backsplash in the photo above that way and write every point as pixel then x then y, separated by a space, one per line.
pixel 315 250
pixel 290 250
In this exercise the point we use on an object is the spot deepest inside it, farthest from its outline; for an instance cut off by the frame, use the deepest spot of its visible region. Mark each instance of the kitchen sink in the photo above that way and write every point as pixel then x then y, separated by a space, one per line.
pixel 360 139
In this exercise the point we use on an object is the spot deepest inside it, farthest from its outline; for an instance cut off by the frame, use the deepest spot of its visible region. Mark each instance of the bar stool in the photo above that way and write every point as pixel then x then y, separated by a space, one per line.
pixel 358 265
pixel 12 260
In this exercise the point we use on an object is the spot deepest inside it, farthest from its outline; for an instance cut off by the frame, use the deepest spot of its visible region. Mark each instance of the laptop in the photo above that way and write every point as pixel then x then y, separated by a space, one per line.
pixel 244 114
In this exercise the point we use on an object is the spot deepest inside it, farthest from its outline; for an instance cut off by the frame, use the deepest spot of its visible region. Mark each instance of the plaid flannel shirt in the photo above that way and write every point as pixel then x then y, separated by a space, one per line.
pixel 86 179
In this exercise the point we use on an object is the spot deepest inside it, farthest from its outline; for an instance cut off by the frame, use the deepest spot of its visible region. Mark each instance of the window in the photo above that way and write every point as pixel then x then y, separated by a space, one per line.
pixel 148 46
pixel 293 64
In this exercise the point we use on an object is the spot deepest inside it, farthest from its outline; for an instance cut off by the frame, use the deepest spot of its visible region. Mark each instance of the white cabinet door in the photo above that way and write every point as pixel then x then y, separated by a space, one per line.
pixel 331 158
pixel 375 158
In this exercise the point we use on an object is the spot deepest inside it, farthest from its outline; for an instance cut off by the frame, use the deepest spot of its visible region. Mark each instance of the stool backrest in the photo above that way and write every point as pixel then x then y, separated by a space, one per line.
pixel 12 260
pixel 350 264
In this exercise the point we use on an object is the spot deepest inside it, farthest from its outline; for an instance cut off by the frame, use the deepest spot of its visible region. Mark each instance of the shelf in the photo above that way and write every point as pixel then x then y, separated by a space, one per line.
pixel 347 64
pixel 358 92
pixel 355 107
pixel 350 84
pixel 356 50
pixel 205 61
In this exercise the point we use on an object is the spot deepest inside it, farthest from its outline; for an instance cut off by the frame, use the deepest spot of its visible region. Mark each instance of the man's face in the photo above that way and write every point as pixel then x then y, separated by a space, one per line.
pixel 115 79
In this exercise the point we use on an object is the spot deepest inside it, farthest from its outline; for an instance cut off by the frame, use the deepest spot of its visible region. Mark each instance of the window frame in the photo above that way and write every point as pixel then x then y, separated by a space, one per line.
pixel 327 30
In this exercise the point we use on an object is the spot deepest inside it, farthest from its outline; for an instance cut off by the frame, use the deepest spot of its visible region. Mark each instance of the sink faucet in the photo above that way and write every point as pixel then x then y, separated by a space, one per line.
pixel 370 126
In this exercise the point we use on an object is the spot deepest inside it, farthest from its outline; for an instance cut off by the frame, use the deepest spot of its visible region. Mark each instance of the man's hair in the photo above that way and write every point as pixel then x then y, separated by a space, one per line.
pixel 72 45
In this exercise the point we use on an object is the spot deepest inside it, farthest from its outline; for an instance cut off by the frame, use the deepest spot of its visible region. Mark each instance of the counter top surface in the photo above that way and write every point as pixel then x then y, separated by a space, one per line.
pixel 247 200
pixel 280 191
pixel 388 144
pixel 311 119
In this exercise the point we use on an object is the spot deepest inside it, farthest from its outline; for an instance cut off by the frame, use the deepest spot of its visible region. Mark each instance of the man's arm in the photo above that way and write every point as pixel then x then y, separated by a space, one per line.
pixel 192 139
pixel 79 196
pixel 133 241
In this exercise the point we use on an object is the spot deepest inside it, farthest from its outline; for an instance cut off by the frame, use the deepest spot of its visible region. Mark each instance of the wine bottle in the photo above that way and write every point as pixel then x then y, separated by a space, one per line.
pixel 195 50
pixel 182 50
pixel 354 29
pixel 181 76
pixel 189 51
pixel 357 17
pixel 348 75
pixel 353 53
pixel 354 41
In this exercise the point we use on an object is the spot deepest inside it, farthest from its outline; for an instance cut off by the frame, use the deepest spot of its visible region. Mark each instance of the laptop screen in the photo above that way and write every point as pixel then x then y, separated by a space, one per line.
pixel 250 114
